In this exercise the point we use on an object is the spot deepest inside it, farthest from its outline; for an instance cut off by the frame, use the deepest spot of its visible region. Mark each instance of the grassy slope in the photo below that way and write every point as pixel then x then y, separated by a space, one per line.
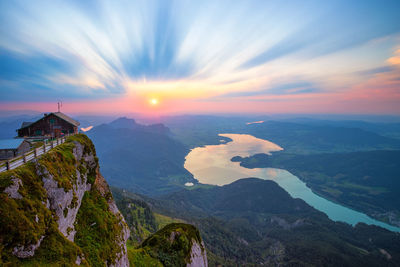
pixel 172 244
pixel 18 216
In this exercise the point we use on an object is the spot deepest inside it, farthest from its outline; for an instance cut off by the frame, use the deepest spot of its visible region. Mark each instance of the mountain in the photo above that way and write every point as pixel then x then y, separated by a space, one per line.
pixel 158 240
pixel 58 210
pixel 143 159
pixel 176 244
pixel 366 180
pixel 307 139
pixel 200 130
pixel 126 123
pixel 299 136
pixel 255 222
pixel 388 129
pixel 9 125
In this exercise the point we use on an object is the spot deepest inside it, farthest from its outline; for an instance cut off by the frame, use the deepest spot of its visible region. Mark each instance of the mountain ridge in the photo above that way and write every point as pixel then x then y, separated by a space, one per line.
pixel 58 210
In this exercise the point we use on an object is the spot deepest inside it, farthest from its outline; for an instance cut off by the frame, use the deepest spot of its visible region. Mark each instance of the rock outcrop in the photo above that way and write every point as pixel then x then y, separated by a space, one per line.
pixel 12 190
pixel 177 244
pixel 45 206
pixel 58 210
pixel 67 203
pixel 122 255
pixel 198 256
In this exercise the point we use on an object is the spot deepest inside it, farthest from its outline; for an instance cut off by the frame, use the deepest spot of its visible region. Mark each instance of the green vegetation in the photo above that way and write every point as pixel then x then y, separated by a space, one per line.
pixel 299 138
pixel 162 220
pixel 60 163
pixel 140 258
pixel 143 159
pixel 200 130
pixel 19 225
pixel 37 144
pixel 365 181
pixel 169 246
pixel 142 221
pixel 26 220
pixel 172 244
pixel 310 139
pixel 139 217
pixel 97 229
pixel 252 222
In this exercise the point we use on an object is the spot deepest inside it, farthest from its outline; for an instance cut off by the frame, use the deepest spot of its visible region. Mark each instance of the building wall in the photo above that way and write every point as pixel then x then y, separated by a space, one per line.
pixel 7 153
pixel 50 126
pixel 23 148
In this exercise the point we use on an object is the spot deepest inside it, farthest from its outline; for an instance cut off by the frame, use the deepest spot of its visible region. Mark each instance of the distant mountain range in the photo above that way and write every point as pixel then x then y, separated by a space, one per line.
pixel 300 136
pixel 140 158
pixel 305 139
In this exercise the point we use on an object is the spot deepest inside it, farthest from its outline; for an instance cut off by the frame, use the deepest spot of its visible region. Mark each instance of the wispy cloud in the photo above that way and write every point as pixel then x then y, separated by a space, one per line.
pixel 278 89
pixel 84 50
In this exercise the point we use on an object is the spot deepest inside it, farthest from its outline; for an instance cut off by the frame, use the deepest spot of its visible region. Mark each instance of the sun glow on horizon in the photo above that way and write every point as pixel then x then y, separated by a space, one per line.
pixel 153 101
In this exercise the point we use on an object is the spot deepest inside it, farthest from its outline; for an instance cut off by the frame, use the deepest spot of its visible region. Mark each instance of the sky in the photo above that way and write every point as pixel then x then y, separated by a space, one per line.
pixel 164 57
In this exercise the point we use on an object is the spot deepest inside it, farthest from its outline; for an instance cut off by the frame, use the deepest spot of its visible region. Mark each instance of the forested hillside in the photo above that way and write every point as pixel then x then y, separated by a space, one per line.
pixel 366 181
pixel 143 159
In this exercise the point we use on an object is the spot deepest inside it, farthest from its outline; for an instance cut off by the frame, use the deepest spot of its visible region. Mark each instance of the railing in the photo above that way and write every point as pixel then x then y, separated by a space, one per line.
pixel 32 154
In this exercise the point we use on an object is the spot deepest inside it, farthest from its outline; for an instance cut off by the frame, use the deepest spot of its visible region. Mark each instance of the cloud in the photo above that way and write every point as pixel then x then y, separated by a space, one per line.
pixel 377 70
pixel 293 88
pixel 188 49
pixel 289 45
pixel 395 59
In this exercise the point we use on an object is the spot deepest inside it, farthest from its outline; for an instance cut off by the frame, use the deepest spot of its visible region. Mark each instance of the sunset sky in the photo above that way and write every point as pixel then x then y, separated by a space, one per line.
pixel 201 56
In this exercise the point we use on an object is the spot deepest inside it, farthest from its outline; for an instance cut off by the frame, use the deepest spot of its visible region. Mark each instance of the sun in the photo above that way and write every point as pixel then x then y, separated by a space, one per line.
pixel 153 101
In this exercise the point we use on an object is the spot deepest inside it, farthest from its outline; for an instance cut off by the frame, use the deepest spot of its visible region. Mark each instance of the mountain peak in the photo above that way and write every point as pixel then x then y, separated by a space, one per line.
pixel 124 122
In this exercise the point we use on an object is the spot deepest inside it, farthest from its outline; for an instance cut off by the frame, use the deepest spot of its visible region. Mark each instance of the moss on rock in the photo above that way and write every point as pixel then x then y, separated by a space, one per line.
pixel 172 244
pixel 30 225
pixel 96 229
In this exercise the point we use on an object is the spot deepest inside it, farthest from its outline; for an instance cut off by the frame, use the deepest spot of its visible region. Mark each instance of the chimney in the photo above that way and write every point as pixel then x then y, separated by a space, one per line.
pixel 45 114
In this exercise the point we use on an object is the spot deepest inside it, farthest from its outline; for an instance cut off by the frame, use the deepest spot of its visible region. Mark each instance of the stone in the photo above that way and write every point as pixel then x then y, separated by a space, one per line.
pixel 12 190
pixel 198 256
pixel 28 250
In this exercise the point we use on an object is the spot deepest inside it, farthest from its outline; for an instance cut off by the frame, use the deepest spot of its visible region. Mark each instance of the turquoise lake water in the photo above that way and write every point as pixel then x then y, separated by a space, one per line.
pixel 212 165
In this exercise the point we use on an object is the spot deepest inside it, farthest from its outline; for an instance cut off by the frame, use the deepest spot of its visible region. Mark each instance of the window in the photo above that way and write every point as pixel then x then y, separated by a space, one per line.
pixel 52 121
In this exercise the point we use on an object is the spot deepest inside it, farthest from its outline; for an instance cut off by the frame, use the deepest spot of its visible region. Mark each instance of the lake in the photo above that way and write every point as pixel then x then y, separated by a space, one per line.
pixel 212 165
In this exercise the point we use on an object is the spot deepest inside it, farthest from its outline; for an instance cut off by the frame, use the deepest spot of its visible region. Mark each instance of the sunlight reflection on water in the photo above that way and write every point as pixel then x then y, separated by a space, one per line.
pixel 212 165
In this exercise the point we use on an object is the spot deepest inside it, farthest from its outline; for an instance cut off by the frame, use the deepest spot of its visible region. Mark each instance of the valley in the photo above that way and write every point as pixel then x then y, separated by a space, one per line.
pixel 361 180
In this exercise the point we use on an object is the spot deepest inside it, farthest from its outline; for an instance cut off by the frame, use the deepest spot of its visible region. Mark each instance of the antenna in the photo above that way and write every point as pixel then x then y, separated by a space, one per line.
pixel 59 104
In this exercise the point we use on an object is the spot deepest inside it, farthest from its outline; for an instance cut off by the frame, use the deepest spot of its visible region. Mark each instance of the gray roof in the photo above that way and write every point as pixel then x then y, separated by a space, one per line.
pixel 10 143
pixel 26 124
pixel 58 114
pixel 66 118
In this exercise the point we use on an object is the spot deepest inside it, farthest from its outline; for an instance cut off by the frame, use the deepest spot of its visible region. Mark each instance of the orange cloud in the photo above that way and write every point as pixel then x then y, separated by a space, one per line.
pixel 395 60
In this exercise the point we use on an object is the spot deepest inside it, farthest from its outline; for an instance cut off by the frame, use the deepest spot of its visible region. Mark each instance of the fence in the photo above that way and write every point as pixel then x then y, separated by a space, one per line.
pixel 32 154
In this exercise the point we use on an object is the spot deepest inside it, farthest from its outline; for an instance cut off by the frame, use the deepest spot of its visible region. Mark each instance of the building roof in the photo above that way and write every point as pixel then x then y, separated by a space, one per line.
pixel 66 118
pixel 10 143
pixel 26 124
pixel 58 114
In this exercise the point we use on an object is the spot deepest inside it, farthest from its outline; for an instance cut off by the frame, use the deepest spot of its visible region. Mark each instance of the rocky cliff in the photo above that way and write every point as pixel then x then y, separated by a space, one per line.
pixel 58 210
pixel 177 244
